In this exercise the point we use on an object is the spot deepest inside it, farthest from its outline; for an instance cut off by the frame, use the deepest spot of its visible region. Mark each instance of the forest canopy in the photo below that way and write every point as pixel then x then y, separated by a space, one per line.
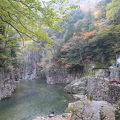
pixel 90 34
pixel 30 18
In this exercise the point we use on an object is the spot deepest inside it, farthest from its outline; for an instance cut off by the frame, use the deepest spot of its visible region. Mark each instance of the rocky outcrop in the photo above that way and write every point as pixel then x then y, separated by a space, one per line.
pixel 95 88
pixel 36 65
pixel 30 68
pixel 98 87
pixel 91 110
pixel 59 75
pixel 85 110
pixel 7 82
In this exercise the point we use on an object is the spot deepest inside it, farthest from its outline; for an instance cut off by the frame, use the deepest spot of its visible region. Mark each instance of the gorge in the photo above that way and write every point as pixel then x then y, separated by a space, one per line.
pixel 59 60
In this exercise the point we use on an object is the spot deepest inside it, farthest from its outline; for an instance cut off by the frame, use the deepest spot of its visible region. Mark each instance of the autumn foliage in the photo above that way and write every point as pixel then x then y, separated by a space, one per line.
pixel 65 47
pixel 75 38
pixel 87 35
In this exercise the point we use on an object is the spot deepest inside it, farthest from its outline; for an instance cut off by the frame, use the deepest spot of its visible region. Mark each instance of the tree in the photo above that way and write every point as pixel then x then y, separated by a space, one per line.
pixel 101 9
pixel 22 20
pixel 29 18
pixel 113 11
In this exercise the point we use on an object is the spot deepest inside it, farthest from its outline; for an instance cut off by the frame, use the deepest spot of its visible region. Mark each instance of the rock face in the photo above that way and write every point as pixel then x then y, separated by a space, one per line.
pixel 7 82
pixel 35 65
pixel 99 90
pixel 114 93
pixel 96 88
pixel 30 68
pixel 91 110
pixel 60 75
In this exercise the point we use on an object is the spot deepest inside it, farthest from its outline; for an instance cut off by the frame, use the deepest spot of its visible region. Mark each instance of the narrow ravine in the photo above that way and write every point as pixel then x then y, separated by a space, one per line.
pixel 60 60
pixel 34 98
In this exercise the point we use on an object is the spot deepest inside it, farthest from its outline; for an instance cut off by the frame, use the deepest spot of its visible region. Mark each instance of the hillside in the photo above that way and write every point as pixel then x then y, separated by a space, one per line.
pixel 90 37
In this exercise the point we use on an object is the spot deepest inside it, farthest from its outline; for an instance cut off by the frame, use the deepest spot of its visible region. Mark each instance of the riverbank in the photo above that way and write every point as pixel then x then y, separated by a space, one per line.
pixel 66 116
pixel 8 82
pixel 86 110
pixel 96 98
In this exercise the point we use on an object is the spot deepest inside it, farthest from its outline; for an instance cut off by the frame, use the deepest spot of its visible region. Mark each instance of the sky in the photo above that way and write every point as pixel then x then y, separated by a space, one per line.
pixel 84 4
pixel 79 0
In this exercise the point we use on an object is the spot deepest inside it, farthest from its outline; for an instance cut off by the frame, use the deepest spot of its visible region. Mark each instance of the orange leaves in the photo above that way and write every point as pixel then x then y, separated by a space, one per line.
pixel 65 47
pixel 87 35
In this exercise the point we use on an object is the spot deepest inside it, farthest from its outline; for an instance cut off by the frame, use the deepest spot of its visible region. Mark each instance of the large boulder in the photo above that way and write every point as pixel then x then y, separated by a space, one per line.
pixel 77 86
pixel 91 110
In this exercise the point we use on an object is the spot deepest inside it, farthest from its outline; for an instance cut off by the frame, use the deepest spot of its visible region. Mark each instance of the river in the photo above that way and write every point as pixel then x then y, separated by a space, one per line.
pixel 34 98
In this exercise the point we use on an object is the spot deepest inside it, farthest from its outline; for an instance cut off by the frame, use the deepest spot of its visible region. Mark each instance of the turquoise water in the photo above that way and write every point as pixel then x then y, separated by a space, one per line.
pixel 32 99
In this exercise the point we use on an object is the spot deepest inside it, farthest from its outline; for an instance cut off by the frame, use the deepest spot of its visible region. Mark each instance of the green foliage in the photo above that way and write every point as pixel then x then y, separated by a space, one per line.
pixel 75 15
pixel 113 11
pixel 77 49
pixel 91 27
pixel 101 6
pixel 70 29
pixel 29 19
pixel 24 20
pixel 106 43
pixel 69 32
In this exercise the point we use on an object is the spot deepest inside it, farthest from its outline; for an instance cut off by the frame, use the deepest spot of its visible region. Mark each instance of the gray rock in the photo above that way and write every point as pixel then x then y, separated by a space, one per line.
pixel 55 75
pixel 96 88
pixel 80 97
pixel 91 110
pixel 114 93
pixel 7 83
